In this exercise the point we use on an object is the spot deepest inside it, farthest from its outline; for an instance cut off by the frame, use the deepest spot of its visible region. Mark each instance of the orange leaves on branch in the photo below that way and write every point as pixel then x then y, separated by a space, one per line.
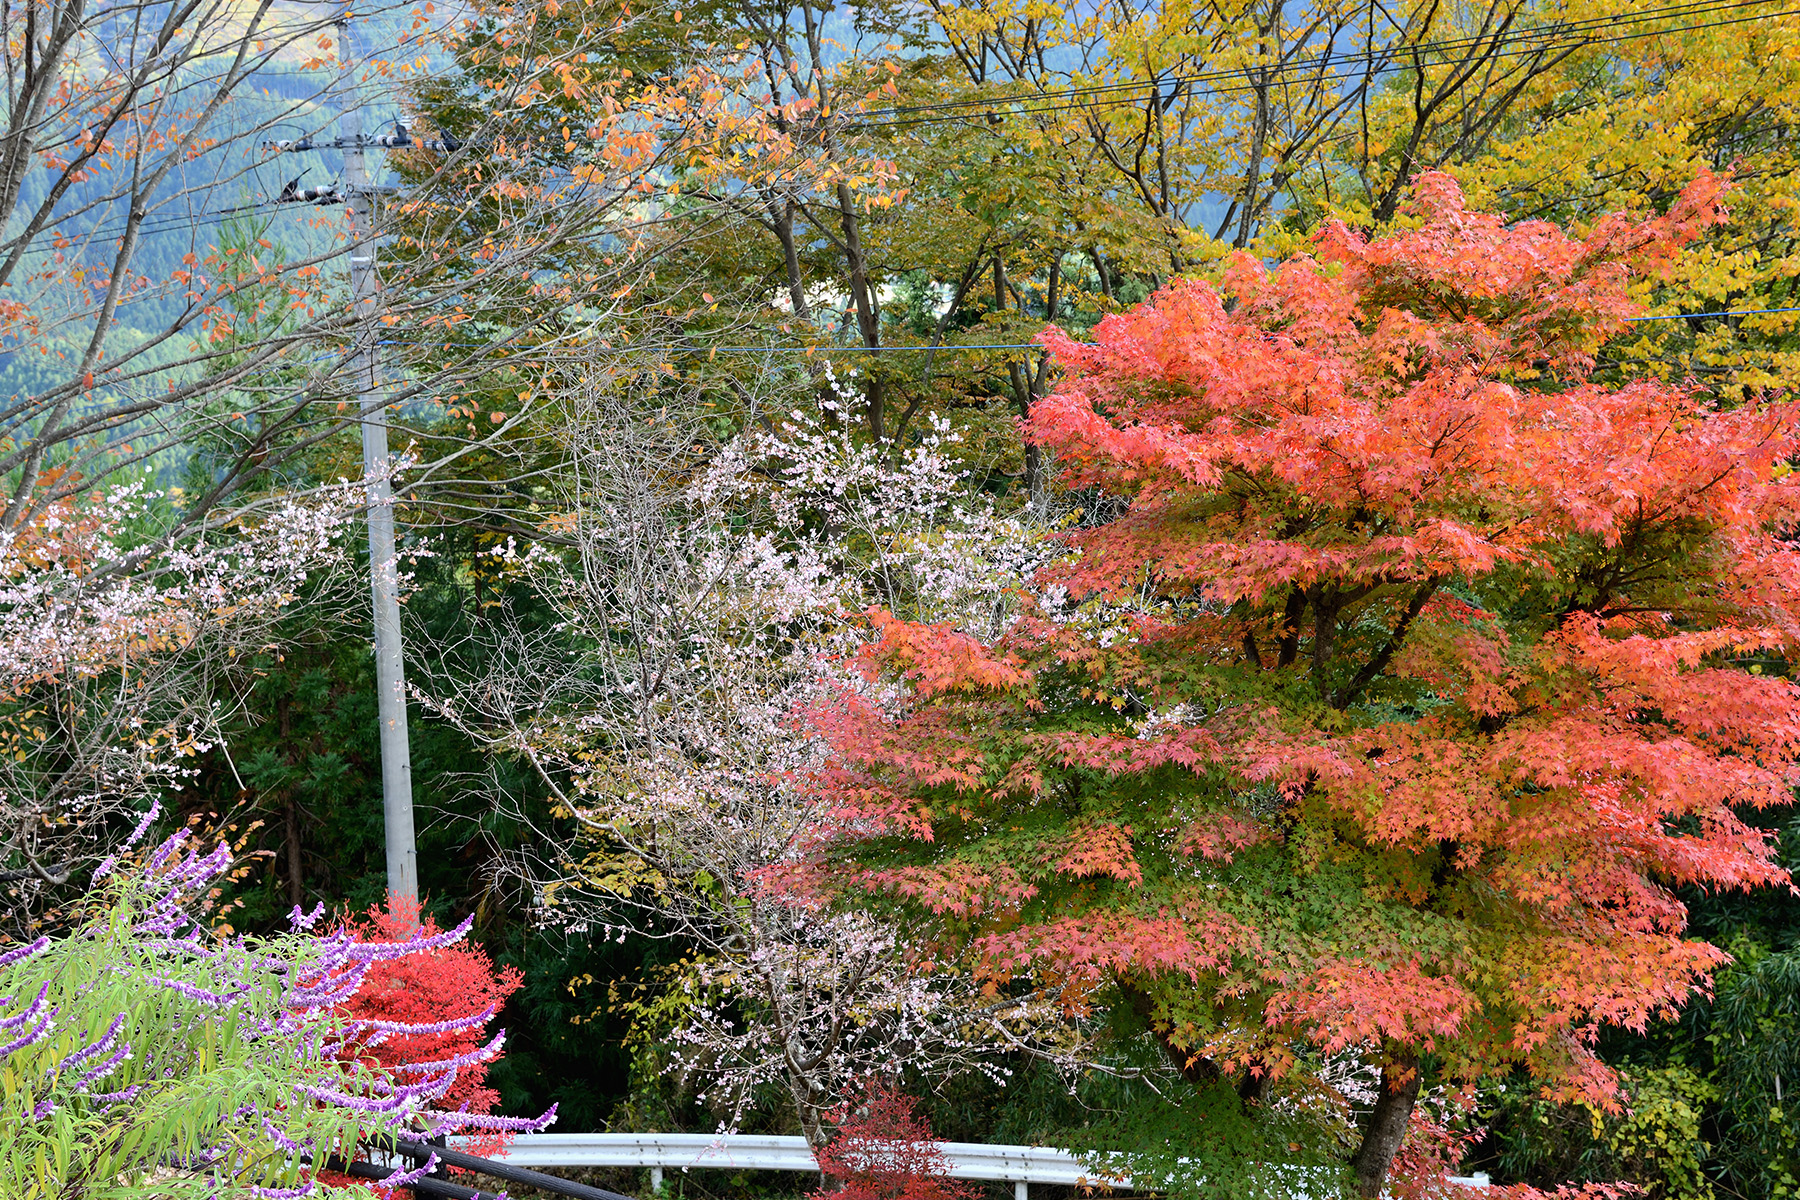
pixel 936 659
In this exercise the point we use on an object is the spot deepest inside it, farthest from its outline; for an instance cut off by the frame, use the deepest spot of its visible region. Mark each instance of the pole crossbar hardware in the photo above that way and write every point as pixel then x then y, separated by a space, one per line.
pixel 400 139
pixel 293 193
pixel 1020 1166
pixel 384 565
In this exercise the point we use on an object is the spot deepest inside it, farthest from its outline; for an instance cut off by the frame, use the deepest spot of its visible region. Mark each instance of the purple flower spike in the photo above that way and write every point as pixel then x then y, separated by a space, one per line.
pixel 210 999
pixel 30 1014
pixel 302 921
pixel 167 850
pixel 137 834
pixel 477 1055
pixel 110 1098
pixel 461 1120
pixel 293 1193
pixel 105 1068
pixel 24 952
pixel 41 1019
pixel 453 1025
pixel 100 1047
pixel 402 1179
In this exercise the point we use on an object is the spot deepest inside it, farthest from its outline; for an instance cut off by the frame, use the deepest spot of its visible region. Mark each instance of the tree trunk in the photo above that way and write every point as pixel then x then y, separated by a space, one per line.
pixel 1024 391
pixel 1197 1069
pixel 783 218
pixel 1387 1124
pixel 290 812
pixel 868 314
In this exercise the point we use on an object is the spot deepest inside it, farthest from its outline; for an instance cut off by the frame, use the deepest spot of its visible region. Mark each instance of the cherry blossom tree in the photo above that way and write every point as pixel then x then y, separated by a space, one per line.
pixel 706 596
pixel 115 648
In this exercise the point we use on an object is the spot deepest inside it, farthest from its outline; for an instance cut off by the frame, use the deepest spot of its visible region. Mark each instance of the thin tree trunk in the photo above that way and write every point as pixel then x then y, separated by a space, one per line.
pixel 1387 1124
pixel 296 869
pixel 783 220
pixel 1024 393
pixel 868 315
pixel 290 813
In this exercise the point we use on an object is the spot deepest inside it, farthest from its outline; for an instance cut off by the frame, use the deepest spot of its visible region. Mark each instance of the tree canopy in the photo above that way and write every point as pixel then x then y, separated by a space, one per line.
pixel 1398 694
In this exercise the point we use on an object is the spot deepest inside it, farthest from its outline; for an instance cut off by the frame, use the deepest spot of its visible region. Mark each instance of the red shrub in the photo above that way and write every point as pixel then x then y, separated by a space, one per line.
pixel 885 1151
pixel 428 987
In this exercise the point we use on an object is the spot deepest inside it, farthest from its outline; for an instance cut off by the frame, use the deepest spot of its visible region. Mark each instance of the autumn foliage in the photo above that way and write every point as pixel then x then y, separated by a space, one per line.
pixel 884 1150
pixel 428 988
pixel 440 985
pixel 1417 669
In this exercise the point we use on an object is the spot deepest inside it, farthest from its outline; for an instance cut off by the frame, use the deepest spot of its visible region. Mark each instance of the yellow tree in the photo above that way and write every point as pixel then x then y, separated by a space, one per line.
pixel 1622 125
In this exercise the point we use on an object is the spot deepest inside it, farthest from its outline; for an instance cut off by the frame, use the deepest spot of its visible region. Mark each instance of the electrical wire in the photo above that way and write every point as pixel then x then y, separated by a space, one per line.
pixel 1030 106
pixel 1725 312
pixel 1026 106
pixel 947 347
pixel 1554 37
pixel 152 226
pixel 1557 32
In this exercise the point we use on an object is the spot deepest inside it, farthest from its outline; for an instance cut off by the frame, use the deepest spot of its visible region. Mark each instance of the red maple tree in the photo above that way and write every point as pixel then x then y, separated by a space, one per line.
pixel 884 1150
pixel 1417 669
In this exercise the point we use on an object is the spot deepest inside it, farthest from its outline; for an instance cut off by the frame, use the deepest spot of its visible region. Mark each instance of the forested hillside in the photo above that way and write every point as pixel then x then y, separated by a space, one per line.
pixel 1213 586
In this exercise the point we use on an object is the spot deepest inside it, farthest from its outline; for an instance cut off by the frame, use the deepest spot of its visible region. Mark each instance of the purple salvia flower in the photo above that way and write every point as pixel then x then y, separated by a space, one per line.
pixel 45 1022
pixel 454 1025
pixel 143 827
pixel 170 845
pixel 23 952
pixel 460 1120
pixel 197 870
pixel 294 1193
pixel 110 1098
pixel 101 1071
pixel 374 952
pixel 200 994
pixel 402 1179
pixel 279 1138
pixel 301 921
pixel 30 1014
pixel 479 1054
pixel 99 1047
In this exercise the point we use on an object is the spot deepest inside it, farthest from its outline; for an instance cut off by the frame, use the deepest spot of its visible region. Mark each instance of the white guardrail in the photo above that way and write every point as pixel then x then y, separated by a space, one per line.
pixel 1021 1166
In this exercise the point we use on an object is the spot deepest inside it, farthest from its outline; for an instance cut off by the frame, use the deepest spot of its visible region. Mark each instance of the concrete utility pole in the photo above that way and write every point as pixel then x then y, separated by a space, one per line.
pixel 384 566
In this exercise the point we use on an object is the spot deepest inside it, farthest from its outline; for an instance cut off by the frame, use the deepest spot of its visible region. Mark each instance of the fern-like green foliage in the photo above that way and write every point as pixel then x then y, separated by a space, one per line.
pixel 195 1082
pixel 141 1056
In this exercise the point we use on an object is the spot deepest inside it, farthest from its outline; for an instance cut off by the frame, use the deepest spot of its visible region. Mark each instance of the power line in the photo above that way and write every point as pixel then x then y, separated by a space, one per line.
pixel 1549 37
pixel 950 346
pixel 1027 105
pixel 1556 35
pixel 1333 58
pixel 1727 312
